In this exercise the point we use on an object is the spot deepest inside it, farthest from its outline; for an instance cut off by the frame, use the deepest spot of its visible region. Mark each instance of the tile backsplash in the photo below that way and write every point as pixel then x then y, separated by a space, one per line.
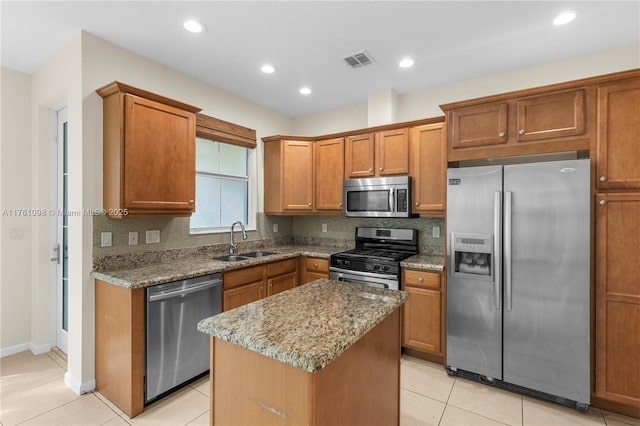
pixel 174 233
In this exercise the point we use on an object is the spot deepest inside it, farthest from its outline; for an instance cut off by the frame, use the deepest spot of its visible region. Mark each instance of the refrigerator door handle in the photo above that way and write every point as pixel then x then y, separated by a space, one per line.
pixel 507 250
pixel 497 238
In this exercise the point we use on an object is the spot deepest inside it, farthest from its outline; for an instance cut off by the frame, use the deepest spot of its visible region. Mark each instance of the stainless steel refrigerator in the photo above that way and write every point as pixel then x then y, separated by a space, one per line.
pixel 518 285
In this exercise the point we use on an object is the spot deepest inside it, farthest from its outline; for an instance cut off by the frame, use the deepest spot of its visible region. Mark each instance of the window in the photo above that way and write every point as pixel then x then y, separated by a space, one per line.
pixel 222 186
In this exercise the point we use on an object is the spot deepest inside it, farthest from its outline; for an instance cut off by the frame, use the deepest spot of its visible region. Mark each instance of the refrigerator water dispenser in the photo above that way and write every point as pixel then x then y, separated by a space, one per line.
pixel 472 255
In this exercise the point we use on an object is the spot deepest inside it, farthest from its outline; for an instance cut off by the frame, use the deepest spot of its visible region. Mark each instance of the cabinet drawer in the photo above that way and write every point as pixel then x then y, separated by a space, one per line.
pixel 418 278
pixel 281 267
pixel 242 276
pixel 314 264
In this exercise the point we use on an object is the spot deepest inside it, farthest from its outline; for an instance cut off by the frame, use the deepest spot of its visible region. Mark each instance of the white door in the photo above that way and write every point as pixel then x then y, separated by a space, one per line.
pixel 60 241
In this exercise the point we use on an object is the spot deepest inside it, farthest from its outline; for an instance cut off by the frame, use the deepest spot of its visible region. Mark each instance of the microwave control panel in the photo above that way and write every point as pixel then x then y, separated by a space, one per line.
pixel 401 200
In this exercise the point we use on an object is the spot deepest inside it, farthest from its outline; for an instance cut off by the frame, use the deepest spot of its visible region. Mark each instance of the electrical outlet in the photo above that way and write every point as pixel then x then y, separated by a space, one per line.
pixel 275 227
pixel 324 227
pixel 105 239
pixel 435 232
pixel 133 238
pixel 152 237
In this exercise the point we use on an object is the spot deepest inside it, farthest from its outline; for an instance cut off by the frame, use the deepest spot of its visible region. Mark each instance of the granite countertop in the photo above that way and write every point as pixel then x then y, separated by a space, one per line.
pixel 308 326
pixel 427 263
pixel 160 273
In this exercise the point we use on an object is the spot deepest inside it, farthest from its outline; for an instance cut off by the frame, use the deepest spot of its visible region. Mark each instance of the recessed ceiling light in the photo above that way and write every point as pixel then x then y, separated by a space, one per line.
pixel 565 17
pixel 305 91
pixel 194 26
pixel 267 68
pixel 406 63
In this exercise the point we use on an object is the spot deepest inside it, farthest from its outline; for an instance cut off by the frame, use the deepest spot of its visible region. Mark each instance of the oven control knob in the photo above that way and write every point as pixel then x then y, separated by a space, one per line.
pixel 385 268
pixel 347 263
pixel 376 266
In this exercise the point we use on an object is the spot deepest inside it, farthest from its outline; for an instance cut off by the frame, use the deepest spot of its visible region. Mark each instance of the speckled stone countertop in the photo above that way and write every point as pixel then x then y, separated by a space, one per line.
pixel 160 273
pixel 308 326
pixel 427 263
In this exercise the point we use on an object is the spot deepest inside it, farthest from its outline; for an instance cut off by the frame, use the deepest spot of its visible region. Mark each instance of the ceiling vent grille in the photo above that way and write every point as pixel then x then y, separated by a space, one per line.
pixel 358 59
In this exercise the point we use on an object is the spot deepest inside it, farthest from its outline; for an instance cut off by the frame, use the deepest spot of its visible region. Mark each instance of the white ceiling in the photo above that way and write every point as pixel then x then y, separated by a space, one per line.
pixel 449 40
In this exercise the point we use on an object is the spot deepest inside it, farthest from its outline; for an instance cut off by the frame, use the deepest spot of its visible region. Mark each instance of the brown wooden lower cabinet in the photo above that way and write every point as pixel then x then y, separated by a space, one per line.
pixel 360 387
pixel 423 322
pixel 313 268
pixel 119 333
pixel 617 386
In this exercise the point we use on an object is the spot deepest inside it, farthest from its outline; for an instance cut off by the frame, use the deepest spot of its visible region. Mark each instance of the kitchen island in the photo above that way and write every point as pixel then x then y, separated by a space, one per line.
pixel 323 353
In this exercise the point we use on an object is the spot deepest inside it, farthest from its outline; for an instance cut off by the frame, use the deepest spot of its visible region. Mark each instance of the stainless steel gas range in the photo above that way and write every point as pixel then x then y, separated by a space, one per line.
pixel 376 258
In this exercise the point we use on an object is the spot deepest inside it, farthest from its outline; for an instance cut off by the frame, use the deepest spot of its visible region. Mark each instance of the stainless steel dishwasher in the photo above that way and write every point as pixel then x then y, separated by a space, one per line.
pixel 176 352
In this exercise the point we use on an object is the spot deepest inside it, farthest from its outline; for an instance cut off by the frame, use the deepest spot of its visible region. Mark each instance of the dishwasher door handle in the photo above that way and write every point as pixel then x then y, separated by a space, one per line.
pixel 184 291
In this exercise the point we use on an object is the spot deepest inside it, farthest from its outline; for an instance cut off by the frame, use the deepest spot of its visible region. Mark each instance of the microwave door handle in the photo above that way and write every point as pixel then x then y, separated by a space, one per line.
pixel 392 200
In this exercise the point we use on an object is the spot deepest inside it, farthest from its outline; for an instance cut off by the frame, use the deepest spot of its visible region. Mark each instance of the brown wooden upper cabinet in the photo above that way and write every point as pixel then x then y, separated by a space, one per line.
pixel 618 136
pixel 329 169
pixel 521 123
pixel 149 154
pixel 428 168
pixel 288 176
pixel 384 153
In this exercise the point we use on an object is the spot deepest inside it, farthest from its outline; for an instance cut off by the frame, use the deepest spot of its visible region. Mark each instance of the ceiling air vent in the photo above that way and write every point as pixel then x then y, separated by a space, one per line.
pixel 358 59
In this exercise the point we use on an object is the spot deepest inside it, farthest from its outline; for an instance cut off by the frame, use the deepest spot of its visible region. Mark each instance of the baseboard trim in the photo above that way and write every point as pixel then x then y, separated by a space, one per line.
pixel 78 387
pixel 27 346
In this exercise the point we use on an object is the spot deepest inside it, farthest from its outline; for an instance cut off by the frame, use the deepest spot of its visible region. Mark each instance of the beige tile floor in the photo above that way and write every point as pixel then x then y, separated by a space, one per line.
pixel 32 392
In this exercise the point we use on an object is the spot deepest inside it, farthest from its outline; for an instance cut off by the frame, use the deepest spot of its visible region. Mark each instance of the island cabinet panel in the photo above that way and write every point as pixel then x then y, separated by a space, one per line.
pixel 329 171
pixel 360 387
pixel 520 123
pixel 428 169
pixel 617 375
pixel 618 138
pixel 119 334
pixel 423 326
pixel 148 154
pixel 313 268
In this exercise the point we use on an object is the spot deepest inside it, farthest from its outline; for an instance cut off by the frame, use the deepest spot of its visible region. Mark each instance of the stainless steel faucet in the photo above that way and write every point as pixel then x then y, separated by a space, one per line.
pixel 233 245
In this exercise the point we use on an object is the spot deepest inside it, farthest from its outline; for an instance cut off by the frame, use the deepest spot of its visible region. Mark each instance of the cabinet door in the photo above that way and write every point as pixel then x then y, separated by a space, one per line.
pixel 281 283
pixel 329 171
pixel 359 154
pixel 297 174
pixel 428 169
pixel 551 116
pixel 392 152
pixel 421 322
pixel 618 298
pixel 478 125
pixel 240 296
pixel 618 140
pixel 159 161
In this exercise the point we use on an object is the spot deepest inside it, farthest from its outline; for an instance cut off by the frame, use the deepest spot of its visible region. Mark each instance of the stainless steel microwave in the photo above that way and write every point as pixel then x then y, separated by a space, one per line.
pixel 377 197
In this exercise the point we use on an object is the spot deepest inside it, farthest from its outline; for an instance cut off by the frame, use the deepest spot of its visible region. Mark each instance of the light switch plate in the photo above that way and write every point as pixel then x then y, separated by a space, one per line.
pixel 435 232
pixel 324 227
pixel 105 239
pixel 275 227
pixel 153 236
pixel 133 238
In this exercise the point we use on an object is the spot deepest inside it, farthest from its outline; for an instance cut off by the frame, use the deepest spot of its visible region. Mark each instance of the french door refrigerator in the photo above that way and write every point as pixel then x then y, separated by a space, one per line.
pixel 518 285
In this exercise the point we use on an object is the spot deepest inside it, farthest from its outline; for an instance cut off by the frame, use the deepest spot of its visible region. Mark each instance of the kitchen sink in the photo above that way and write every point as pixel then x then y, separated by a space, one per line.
pixel 244 256
pixel 258 254
pixel 232 258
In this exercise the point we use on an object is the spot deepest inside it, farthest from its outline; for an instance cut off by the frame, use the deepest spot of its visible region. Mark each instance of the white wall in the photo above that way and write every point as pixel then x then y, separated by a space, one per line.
pixel 16 232
pixel 425 103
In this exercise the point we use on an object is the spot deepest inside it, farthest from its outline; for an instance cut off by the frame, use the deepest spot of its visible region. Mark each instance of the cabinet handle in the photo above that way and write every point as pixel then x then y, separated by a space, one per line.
pixel 381 169
pixel 501 134
pixel 191 201
pixel 340 204
pixel 603 178
pixel 603 202
pixel 521 132
pixel 315 265
pixel 270 285
pixel 417 204
pixel 420 279
pixel 309 204
pixel 262 288
pixel 370 170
